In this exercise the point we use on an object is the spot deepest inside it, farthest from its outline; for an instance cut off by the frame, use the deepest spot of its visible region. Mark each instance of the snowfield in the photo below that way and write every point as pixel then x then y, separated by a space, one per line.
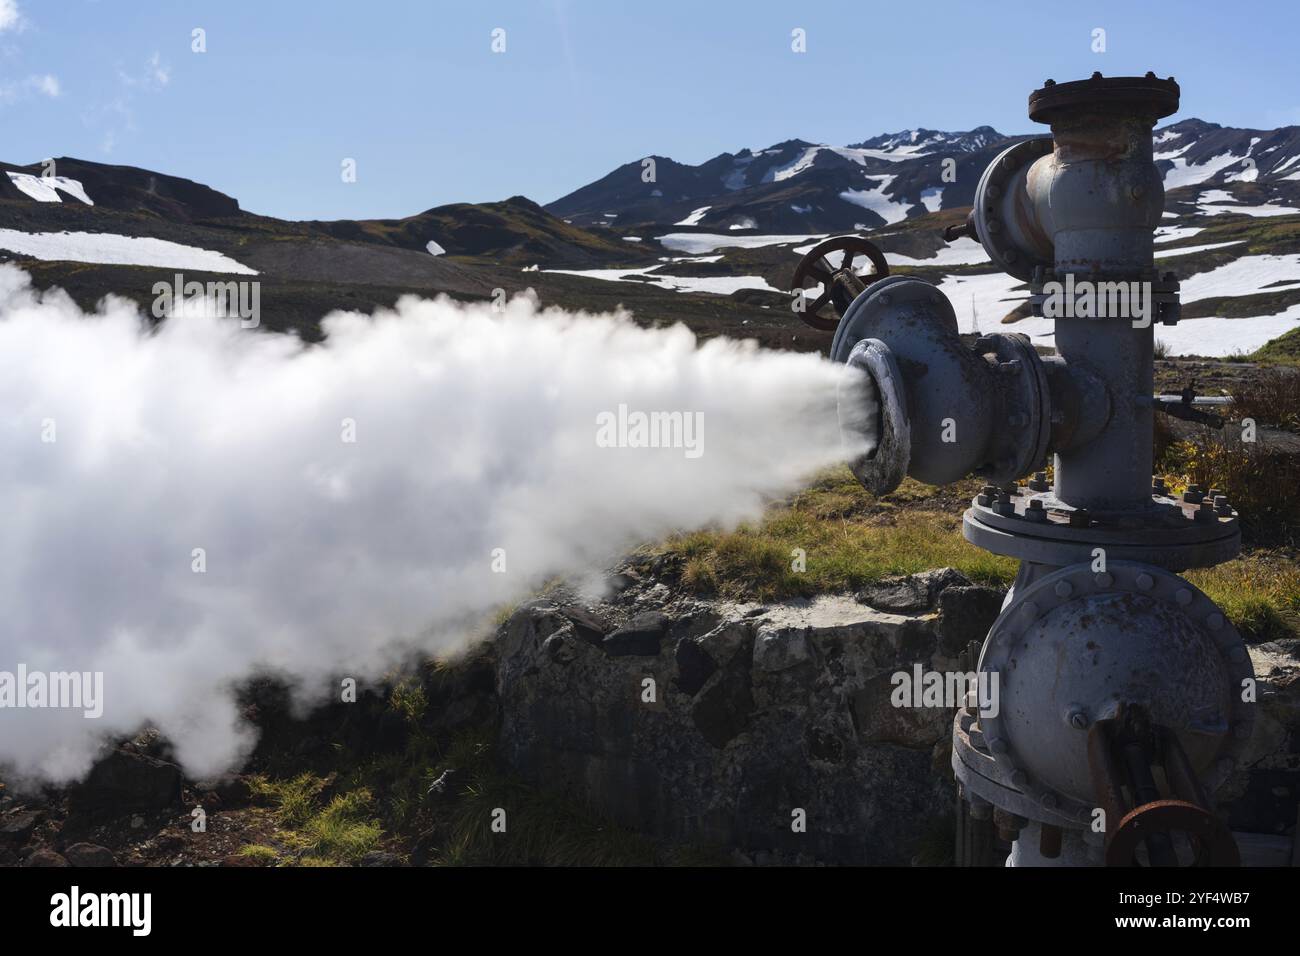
pixel 981 301
pixel 694 218
pixel 1245 276
pixel 712 285
pixel 705 242
pixel 111 249
pixel 1184 175
pixel 962 252
pixel 46 188
pixel 887 209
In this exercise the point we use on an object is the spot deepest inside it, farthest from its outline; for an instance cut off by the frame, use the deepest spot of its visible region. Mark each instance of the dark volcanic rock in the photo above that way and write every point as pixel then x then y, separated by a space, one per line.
pixel 126 782
pixel 722 709
pixel 750 721
pixel 16 828
pixel 639 637
pixel 966 612
pixel 586 625
pixel 694 666
pixel 912 592
pixel 44 857
pixel 89 854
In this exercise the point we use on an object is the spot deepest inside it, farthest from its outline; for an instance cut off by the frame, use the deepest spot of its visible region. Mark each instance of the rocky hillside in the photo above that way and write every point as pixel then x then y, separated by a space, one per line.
pixel 802 187
pixel 651 727
pixel 713 246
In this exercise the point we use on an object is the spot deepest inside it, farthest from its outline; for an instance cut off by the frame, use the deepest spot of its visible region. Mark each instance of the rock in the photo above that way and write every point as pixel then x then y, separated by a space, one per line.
pixel 779 648
pixel 877 720
pixel 169 841
pixel 694 666
pixel 966 612
pixel 89 854
pixel 639 637
pixel 234 792
pixel 587 627
pixel 45 857
pixel 912 592
pixel 126 782
pixel 16 828
pixel 656 595
pixel 724 641
pixel 722 709
pixel 759 722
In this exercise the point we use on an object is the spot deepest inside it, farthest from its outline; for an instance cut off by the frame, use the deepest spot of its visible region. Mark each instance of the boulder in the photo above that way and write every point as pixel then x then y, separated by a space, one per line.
pixel 16 828
pixel 89 854
pixel 45 857
pixel 913 592
pixel 639 637
pixel 127 782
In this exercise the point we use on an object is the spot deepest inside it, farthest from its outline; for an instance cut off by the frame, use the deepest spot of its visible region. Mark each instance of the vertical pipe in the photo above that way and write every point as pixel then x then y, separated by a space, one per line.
pixel 1100 196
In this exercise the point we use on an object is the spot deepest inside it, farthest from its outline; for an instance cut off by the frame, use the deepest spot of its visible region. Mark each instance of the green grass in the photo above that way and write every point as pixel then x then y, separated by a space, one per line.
pixel 340 830
pixel 1284 350
pixel 849 538
pixel 260 852
pixel 853 538
pixel 1259 592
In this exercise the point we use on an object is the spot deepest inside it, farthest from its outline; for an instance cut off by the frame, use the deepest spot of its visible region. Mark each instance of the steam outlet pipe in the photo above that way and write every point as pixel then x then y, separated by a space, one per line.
pixel 1122 686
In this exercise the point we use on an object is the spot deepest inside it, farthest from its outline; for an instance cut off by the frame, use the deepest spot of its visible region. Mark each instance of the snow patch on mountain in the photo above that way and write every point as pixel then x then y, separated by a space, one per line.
pixel 704 242
pixel 694 218
pixel 46 188
pixel 111 249
pixel 888 209
pixel 1185 175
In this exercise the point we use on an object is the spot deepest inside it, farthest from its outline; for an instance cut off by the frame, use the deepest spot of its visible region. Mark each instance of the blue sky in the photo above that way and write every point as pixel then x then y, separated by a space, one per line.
pixel 413 92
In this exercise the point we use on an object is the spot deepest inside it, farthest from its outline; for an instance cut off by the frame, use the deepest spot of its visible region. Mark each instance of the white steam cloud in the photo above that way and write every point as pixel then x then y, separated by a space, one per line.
pixel 125 448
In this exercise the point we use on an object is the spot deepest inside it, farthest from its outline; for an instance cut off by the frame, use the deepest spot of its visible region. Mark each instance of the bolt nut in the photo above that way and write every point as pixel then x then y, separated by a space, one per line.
pixel 1080 518
pixel 1063 589
pixel 1145 582
pixel 1079 720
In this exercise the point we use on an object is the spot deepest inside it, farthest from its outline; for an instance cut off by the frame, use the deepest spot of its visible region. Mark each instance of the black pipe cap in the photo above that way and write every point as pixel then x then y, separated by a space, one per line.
pixel 1147 96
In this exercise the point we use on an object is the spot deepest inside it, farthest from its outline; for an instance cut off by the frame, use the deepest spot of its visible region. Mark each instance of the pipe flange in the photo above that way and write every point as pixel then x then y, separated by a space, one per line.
pixel 1036 527
pixel 994 234
pixel 882 425
pixel 1123 95
pixel 876 302
pixel 1077 645
pixel 1019 441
